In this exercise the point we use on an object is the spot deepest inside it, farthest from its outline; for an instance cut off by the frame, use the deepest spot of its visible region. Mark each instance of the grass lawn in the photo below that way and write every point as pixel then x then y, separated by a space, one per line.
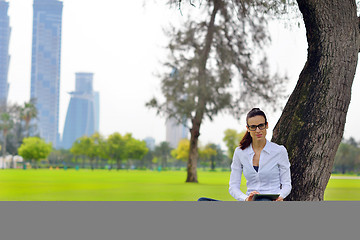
pixel 133 185
pixel 346 188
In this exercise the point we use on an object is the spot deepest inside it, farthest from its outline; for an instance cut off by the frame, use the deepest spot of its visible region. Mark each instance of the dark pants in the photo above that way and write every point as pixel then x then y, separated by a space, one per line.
pixel 210 199
pixel 206 199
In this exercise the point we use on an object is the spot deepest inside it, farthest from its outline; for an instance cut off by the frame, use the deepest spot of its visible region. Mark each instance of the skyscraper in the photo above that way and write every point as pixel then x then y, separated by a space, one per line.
pixel 82 117
pixel 45 66
pixel 4 51
pixel 175 131
pixel 150 143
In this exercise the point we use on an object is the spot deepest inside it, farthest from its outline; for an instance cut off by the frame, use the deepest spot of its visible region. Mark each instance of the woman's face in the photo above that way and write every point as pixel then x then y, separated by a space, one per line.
pixel 257 127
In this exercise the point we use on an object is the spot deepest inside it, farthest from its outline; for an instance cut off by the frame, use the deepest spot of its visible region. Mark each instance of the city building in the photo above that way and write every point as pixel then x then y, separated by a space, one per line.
pixel 4 51
pixel 175 132
pixel 45 66
pixel 82 116
pixel 150 143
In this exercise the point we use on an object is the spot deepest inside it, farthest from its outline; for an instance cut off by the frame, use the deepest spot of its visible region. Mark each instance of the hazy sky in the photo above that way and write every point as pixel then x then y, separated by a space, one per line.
pixel 122 43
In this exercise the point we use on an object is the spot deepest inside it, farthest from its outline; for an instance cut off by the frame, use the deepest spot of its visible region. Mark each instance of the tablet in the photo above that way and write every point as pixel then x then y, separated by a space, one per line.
pixel 259 197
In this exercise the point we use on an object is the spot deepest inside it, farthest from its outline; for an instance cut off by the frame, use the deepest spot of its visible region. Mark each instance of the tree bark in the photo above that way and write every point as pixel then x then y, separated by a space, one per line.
pixel 212 164
pixel 27 124
pixel 312 123
pixel 118 164
pixel 92 163
pixel 193 152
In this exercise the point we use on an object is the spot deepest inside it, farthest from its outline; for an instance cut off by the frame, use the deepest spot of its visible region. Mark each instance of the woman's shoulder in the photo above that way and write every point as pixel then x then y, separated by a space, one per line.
pixel 238 150
pixel 276 147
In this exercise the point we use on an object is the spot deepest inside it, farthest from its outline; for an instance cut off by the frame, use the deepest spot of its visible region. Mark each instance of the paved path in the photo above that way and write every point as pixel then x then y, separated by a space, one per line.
pixel 345 177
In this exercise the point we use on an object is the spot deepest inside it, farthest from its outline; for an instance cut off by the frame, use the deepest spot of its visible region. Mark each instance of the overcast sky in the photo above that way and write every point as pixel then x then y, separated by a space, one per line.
pixel 122 43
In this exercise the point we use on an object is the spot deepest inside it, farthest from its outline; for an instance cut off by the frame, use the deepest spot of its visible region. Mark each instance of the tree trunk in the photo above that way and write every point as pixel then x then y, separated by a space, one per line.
pixel 212 164
pixel 193 152
pixel 163 162
pixel 312 123
pixel 27 124
pixel 196 121
pixel 4 147
pixel 117 164
pixel 12 162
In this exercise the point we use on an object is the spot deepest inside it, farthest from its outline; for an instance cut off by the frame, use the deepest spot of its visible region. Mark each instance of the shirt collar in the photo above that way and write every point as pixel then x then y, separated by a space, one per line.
pixel 267 148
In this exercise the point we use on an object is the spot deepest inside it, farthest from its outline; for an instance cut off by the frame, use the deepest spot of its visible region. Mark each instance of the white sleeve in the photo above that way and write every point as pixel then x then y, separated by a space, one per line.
pixel 285 175
pixel 235 178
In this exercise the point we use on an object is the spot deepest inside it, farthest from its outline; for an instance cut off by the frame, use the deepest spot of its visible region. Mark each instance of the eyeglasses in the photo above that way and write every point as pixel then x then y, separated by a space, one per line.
pixel 261 126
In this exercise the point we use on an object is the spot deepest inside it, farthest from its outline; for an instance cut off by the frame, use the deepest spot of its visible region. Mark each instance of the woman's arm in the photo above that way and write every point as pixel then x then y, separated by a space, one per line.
pixel 235 178
pixel 285 175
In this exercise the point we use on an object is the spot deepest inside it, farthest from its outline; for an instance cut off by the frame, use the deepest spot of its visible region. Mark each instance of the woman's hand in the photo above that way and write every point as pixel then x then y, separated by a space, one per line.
pixel 251 195
pixel 279 199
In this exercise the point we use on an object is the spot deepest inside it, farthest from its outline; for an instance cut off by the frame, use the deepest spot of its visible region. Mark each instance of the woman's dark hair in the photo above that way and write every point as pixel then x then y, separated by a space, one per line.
pixel 247 140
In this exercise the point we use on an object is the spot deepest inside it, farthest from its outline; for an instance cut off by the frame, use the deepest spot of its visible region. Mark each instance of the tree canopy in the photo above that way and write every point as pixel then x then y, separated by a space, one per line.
pixel 232 139
pixel 182 150
pixel 216 64
pixel 34 149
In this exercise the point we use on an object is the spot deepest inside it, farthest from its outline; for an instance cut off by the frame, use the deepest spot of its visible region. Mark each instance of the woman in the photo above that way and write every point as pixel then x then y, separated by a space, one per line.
pixel 265 164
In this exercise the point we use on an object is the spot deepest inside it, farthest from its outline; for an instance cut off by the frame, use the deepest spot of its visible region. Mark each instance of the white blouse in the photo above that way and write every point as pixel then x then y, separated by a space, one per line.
pixel 273 175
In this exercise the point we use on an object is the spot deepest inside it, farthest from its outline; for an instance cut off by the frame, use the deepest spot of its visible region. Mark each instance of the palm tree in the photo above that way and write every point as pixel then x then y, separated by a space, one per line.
pixel 28 112
pixel 6 123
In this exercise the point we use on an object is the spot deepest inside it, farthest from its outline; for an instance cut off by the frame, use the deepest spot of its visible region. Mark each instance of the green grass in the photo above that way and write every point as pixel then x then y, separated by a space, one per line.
pixel 133 185
pixel 343 189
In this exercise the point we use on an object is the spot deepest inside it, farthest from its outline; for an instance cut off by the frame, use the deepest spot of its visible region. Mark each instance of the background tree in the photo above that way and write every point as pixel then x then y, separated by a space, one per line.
pixel 98 148
pixel 34 149
pixel 79 148
pixel 347 158
pixel 181 153
pixel 219 158
pixel 312 123
pixel 16 133
pixel 116 148
pixel 28 112
pixel 162 152
pixel 6 123
pixel 147 160
pixel 206 55
pixel 352 142
pixel 90 149
pixel 207 154
pixel 232 139
pixel 60 156
pixel 135 149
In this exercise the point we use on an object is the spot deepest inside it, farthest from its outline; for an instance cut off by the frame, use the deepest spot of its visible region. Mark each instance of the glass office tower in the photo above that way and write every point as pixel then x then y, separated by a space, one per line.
pixel 175 131
pixel 82 117
pixel 4 51
pixel 45 66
